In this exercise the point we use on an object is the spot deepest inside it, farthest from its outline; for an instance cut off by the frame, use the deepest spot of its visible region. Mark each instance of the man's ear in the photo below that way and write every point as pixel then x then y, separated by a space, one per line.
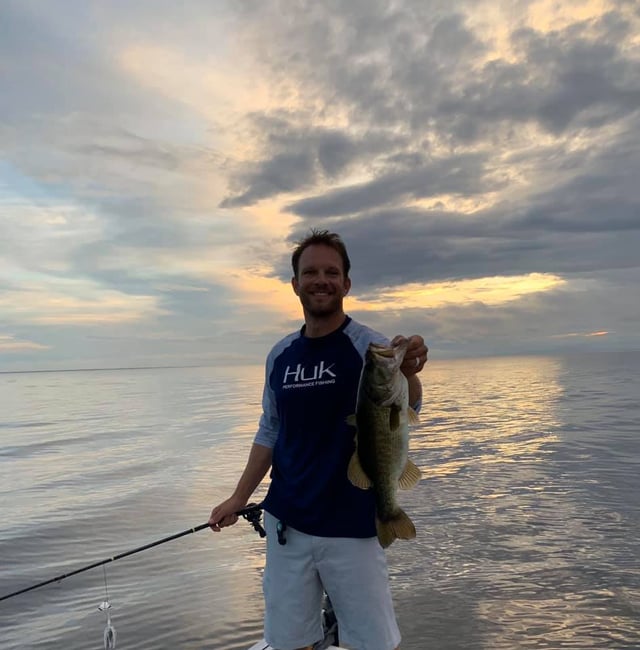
pixel 295 285
pixel 347 286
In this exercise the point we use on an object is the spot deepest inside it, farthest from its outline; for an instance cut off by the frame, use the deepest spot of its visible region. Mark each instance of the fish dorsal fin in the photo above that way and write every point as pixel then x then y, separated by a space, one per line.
pixel 410 477
pixel 414 418
pixel 356 474
pixel 394 418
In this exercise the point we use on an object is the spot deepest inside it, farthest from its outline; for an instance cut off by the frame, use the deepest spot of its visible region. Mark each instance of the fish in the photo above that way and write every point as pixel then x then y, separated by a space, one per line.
pixel 380 461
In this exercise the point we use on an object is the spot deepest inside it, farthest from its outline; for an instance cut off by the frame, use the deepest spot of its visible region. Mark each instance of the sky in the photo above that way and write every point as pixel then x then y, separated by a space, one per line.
pixel 159 160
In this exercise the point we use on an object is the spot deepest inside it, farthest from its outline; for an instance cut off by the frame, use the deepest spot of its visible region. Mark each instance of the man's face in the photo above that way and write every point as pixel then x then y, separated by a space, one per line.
pixel 321 284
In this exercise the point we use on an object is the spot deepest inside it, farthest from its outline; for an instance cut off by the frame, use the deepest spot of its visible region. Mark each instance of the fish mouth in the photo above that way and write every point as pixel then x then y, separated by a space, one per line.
pixel 387 351
pixel 381 350
pixel 387 355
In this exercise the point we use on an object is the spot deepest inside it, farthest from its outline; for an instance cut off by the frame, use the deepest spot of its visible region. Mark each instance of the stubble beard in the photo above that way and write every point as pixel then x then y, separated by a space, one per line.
pixel 332 307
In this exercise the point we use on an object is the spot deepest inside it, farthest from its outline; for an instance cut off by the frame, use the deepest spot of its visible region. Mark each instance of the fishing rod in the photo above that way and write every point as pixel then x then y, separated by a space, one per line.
pixel 252 513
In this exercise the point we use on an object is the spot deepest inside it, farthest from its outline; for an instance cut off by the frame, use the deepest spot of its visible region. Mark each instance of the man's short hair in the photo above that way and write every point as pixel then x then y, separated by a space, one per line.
pixel 325 238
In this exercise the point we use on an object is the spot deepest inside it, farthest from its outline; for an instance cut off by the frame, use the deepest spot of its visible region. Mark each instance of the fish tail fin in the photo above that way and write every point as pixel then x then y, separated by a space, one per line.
pixel 399 526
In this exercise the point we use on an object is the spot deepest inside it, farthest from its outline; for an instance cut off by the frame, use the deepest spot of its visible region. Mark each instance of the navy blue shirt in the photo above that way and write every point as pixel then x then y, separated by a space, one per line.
pixel 311 388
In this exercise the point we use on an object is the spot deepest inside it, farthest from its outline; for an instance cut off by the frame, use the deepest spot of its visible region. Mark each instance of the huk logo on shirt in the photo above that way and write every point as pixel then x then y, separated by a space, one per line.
pixel 301 376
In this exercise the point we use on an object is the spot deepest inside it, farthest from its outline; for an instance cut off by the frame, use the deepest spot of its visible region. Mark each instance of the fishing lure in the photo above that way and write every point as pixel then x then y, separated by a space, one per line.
pixel 109 630
pixel 109 635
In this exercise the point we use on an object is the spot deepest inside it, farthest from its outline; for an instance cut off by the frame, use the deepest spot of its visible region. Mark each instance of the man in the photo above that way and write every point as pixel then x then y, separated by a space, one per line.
pixel 320 528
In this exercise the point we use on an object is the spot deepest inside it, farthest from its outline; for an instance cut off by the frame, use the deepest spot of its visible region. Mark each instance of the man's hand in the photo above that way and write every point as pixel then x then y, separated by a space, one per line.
pixel 224 514
pixel 416 355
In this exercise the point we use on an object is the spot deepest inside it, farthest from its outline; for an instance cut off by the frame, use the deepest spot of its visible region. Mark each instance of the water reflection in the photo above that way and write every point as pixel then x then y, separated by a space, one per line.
pixel 503 520
pixel 489 411
pixel 528 518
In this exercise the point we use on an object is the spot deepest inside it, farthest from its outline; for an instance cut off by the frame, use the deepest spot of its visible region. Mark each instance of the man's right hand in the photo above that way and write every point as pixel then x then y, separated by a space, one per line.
pixel 224 514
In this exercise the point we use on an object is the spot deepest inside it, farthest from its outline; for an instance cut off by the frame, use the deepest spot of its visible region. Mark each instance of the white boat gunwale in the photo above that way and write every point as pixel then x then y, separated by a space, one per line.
pixel 263 645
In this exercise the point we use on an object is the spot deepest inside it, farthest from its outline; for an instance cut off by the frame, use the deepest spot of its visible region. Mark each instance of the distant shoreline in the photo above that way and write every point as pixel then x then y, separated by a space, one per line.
pixel 21 372
pixel 432 358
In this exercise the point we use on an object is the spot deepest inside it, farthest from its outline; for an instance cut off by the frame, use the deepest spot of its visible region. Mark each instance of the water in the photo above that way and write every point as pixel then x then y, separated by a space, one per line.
pixel 528 517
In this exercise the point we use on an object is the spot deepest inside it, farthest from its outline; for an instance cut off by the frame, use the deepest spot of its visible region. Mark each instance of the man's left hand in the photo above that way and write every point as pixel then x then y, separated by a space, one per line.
pixel 416 355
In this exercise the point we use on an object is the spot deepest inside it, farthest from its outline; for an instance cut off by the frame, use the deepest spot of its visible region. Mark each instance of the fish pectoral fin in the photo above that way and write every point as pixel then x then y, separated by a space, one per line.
pixel 414 418
pixel 356 474
pixel 410 476
pixel 351 420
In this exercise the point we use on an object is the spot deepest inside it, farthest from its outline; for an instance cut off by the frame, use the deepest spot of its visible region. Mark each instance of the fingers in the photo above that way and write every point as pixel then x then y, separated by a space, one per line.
pixel 216 524
pixel 214 520
pixel 397 340
pixel 222 516
pixel 416 355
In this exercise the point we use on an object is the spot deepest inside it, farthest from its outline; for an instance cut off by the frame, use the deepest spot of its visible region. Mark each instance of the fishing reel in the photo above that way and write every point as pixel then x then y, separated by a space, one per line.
pixel 253 514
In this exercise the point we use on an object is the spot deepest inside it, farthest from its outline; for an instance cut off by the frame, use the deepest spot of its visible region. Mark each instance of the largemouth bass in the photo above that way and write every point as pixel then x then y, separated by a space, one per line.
pixel 382 420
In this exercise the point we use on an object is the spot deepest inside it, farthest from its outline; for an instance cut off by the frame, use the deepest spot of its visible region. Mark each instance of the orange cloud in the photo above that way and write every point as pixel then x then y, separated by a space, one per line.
pixel 489 291
pixel 580 335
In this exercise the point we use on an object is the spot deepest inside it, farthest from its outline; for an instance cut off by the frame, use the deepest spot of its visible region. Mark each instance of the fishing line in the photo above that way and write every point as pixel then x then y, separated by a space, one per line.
pixel 252 513
pixel 109 636
pixel 106 589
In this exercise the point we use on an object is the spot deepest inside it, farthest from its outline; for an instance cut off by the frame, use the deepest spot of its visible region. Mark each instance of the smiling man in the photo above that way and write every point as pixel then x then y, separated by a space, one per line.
pixel 321 533
pixel 321 284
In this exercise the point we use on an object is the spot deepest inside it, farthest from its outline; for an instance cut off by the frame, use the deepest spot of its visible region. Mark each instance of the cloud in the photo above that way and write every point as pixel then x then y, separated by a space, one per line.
pixel 458 175
pixel 159 161
pixel 497 155
pixel 300 156
pixel 43 299
pixel 9 343
pixel 489 291
pixel 580 335
pixel 577 77
pixel 536 323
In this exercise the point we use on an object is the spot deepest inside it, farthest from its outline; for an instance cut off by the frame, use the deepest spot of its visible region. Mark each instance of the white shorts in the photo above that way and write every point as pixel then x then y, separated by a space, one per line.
pixel 354 574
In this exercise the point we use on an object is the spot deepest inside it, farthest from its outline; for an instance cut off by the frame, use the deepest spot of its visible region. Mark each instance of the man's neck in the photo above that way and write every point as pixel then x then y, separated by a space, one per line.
pixel 315 327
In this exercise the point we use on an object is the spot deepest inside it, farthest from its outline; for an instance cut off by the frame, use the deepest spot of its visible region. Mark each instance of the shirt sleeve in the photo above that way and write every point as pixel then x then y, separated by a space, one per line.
pixel 269 424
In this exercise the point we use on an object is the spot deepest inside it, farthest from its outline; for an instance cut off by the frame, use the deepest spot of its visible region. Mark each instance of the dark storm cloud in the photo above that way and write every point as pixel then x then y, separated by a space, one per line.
pixel 458 175
pixel 300 156
pixel 394 248
pixel 589 222
pixel 415 70
pixel 373 75
pixel 578 77
pixel 285 172
pixel 419 74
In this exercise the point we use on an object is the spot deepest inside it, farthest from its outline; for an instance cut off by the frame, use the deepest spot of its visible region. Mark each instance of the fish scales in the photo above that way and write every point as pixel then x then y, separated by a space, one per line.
pixel 381 448
pixel 380 461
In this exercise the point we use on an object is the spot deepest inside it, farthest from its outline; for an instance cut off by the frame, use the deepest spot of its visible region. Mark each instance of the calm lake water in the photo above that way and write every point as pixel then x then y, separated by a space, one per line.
pixel 528 515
